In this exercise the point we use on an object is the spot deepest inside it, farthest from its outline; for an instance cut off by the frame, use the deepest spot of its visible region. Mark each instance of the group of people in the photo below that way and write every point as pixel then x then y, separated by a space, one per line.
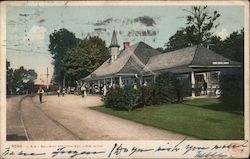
pixel 59 91
pixel 40 93
pixel 84 89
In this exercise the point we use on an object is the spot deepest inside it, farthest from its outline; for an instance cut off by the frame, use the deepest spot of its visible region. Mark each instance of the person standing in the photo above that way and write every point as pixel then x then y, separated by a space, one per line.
pixel 104 90
pixel 40 93
pixel 83 89
pixel 63 92
pixel 58 92
pixel 205 87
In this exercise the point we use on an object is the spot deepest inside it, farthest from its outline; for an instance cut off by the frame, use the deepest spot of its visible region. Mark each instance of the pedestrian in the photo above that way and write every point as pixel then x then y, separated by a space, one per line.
pixel 40 92
pixel 63 92
pixel 58 92
pixel 83 89
pixel 205 87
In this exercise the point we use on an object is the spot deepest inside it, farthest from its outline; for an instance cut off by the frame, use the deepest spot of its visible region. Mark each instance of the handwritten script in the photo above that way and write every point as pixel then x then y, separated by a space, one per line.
pixel 184 148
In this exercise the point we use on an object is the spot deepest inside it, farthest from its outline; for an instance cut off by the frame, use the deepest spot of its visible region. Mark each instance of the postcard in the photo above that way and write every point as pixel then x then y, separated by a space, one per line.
pixel 124 79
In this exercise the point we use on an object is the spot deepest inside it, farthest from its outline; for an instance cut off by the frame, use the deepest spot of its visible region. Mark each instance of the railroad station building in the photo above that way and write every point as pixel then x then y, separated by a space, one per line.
pixel 140 63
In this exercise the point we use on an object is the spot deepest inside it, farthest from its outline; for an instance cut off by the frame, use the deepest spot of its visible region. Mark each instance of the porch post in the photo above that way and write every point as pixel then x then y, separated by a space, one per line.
pixel 120 81
pixel 98 85
pixel 154 78
pixel 193 83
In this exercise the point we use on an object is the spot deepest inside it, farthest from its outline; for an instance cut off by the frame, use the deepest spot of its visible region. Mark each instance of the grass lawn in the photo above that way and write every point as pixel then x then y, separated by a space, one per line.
pixel 192 117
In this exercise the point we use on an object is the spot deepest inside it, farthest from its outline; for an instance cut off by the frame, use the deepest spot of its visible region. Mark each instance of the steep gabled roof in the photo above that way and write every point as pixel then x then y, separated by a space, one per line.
pixel 144 52
pixel 171 59
pixel 193 57
pixel 131 61
pixel 205 57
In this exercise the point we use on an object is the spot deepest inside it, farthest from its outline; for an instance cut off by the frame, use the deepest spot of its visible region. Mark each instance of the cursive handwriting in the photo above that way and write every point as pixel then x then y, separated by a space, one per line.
pixel 139 150
pixel 170 149
pixel 190 147
pixel 230 146
pixel 20 153
pixel 117 149
pixel 183 148
pixel 73 153
pixel 201 154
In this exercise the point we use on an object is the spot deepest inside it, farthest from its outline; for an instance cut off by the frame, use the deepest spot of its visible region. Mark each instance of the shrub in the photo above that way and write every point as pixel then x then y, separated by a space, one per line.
pixel 168 88
pixel 149 95
pixel 114 98
pixel 131 98
pixel 231 89
pixel 122 98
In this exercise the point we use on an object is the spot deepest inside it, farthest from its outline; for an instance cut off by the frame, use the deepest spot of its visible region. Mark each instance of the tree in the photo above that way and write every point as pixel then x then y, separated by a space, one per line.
pixel 20 80
pixel 9 78
pixel 83 59
pixel 231 89
pixel 199 24
pixel 232 47
pixel 198 29
pixel 60 42
pixel 177 41
pixel 167 86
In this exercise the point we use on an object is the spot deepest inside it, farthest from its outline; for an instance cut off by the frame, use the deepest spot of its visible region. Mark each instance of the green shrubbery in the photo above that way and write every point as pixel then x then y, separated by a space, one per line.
pixel 122 98
pixel 166 90
pixel 231 89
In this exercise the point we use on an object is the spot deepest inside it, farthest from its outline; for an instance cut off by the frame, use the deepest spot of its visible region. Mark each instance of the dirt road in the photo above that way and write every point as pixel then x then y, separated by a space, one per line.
pixel 69 118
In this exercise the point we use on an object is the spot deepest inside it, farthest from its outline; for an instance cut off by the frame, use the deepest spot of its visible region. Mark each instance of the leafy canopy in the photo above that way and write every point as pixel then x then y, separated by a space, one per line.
pixel 60 42
pixel 83 59
pixel 198 29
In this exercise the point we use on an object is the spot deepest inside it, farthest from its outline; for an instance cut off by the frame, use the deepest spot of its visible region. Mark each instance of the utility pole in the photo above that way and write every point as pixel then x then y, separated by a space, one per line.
pixel 47 74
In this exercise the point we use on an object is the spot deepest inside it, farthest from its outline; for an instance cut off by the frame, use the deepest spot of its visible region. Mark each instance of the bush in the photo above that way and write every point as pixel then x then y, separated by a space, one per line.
pixel 168 88
pixel 122 98
pixel 149 95
pixel 114 98
pixel 231 89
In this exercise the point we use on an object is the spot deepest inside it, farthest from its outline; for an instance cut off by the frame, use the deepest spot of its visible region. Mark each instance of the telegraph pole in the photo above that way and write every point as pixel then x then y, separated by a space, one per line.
pixel 47 75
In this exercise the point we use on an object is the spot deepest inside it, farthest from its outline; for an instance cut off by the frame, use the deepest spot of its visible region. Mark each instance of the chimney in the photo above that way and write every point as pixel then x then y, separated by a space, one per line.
pixel 125 45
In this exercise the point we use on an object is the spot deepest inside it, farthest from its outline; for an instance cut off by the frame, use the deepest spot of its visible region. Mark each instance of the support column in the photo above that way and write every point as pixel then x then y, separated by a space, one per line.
pixel 193 83
pixel 141 80
pixel 111 82
pixel 120 81
pixel 154 78
pixel 98 83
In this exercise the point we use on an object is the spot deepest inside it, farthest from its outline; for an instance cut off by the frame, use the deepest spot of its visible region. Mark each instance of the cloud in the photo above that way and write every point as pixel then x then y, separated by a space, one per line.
pixel 223 34
pixel 142 33
pixel 41 21
pixel 103 22
pixel 145 20
pixel 36 33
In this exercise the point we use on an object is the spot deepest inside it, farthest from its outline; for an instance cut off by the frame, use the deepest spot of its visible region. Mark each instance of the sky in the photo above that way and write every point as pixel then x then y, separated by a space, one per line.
pixel 29 27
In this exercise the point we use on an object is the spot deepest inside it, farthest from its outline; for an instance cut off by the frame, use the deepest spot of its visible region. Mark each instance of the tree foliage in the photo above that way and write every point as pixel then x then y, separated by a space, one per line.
pixel 231 89
pixel 83 59
pixel 19 80
pixel 198 29
pixel 232 47
pixel 60 42
pixel 200 23
pixel 168 90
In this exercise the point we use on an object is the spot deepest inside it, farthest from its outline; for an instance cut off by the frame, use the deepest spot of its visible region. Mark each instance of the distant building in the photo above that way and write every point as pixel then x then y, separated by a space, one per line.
pixel 140 63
